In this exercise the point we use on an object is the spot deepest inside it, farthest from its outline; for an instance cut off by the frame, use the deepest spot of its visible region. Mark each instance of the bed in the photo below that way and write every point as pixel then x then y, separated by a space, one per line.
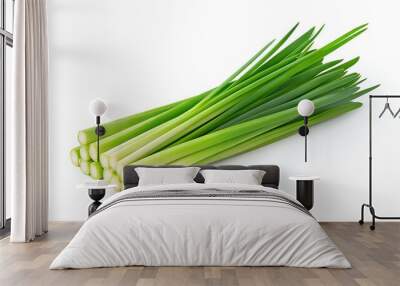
pixel 198 224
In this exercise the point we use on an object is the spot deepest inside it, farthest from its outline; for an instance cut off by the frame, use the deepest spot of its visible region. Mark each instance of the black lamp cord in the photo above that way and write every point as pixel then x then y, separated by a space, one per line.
pixel 305 138
pixel 98 137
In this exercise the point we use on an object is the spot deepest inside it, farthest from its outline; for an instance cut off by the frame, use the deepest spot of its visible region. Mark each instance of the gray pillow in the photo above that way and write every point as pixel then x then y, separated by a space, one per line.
pixel 166 176
pixel 246 177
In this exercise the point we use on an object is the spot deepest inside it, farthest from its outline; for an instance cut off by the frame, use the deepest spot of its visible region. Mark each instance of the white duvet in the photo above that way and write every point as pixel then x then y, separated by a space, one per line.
pixel 200 231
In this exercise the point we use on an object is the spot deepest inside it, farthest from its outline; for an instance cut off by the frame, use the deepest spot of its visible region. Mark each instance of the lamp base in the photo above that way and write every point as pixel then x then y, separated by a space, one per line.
pixel 100 130
pixel 304 130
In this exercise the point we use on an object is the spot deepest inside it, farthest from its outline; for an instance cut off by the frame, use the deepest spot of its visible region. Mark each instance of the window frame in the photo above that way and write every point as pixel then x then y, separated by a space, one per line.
pixel 6 39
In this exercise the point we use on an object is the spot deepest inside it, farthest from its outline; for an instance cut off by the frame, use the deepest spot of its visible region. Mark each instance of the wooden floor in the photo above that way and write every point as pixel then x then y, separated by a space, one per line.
pixel 375 257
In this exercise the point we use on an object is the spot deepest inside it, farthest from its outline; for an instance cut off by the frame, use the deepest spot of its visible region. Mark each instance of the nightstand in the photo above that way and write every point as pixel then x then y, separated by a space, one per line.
pixel 305 190
pixel 96 192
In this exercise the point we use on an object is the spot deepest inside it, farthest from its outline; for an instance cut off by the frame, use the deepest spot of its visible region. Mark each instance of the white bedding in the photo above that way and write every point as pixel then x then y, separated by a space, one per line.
pixel 200 231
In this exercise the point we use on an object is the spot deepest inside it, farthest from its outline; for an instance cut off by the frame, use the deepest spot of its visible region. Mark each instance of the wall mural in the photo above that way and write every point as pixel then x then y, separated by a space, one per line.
pixel 254 107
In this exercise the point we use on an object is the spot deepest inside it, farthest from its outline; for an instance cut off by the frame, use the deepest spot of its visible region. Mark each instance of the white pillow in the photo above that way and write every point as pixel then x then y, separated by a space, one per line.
pixel 246 177
pixel 165 176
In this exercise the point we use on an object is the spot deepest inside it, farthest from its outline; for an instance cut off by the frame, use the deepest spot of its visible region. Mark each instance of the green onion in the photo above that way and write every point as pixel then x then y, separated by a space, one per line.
pixel 88 135
pixel 84 152
pixel 96 170
pixel 275 135
pixel 245 130
pixel 139 128
pixel 255 106
pixel 107 174
pixel 85 167
pixel 75 156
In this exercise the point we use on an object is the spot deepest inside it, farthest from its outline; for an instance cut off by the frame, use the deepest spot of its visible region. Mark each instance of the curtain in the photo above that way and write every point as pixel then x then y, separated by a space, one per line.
pixel 29 159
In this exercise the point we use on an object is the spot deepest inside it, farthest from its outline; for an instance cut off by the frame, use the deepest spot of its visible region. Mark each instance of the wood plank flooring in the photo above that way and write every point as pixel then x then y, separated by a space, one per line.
pixel 375 257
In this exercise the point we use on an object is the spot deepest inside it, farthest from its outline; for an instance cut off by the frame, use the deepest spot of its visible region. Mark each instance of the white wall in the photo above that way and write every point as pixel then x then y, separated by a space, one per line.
pixel 141 54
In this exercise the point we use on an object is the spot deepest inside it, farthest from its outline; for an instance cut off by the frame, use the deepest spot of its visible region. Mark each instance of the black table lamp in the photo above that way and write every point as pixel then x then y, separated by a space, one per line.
pixel 97 107
pixel 305 109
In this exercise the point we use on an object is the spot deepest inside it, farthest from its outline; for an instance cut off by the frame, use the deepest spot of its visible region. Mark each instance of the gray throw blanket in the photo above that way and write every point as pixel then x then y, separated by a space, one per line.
pixel 207 194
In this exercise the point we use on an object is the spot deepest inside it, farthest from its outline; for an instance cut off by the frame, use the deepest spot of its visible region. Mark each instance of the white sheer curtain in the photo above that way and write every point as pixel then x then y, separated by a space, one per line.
pixel 29 148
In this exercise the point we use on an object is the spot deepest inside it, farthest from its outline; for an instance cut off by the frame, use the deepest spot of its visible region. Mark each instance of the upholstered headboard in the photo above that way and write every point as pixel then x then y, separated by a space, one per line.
pixel 270 179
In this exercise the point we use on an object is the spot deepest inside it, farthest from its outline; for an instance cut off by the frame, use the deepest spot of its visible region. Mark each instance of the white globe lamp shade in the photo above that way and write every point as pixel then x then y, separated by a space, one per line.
pixel 97 107
pixel 305 107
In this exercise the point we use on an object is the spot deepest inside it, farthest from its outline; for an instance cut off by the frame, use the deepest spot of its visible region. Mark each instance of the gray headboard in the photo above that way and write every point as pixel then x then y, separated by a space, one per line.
pixel 271 177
